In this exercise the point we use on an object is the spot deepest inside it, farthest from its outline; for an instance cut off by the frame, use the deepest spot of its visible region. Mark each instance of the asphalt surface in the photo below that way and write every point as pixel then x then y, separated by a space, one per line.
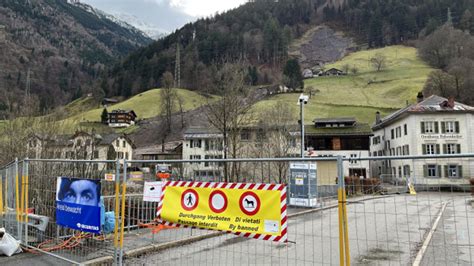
pixel 387 231
pixel 382 231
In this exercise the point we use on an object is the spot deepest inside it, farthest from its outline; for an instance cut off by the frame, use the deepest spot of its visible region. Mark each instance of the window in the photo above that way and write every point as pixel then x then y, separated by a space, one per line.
pixel 245 135
pixel 452 148
pixel 450 127
pixel 79 142
pixel 96 154
pixel 431 170
pixel 120 155
pixel 406 170
pixel 117 143
pixel 376 140
pixel 88 142
pixel 405 129
pixel 399 151
pixel 375 154
pixel 126 156
pixel 124 143
pixel 398 132
pixel 212 157
pixel 261 135
pixel 399 171
pixel 430 149
pixel 429 127
pixel 392 134
pixel 195 143
pixel 453 171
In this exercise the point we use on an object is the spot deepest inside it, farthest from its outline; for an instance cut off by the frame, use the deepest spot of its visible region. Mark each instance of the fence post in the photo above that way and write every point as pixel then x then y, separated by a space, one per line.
pixel 26 187
pixel 343 227
pixel 117 210
pixel 122 212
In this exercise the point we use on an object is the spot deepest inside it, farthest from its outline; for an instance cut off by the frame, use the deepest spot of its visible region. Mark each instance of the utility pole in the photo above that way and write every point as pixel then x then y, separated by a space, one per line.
pixel 177 66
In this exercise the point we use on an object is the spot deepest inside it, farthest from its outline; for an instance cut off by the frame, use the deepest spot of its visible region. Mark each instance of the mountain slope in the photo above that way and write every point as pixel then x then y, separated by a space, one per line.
pixel 260 32
pixel 64 45
pixel 364 93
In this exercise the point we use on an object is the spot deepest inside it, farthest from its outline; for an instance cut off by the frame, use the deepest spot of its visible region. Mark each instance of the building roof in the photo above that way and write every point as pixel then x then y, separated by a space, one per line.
pixel 335 120
pixel 202 132
pixel 432 104
pixel 169 148
pixel 357 130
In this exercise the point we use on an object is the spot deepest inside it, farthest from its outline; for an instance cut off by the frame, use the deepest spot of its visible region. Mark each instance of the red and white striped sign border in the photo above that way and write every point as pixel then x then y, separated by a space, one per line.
pixel 244 186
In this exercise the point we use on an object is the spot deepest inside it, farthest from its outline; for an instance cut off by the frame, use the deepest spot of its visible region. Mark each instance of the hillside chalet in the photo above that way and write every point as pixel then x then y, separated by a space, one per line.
pixel 121 118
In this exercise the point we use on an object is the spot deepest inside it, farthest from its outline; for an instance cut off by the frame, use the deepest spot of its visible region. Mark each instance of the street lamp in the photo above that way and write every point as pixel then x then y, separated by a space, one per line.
pixel 302 100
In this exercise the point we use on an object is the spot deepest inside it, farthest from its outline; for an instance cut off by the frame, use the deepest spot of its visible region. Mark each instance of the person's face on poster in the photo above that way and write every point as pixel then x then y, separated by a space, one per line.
pixel 84 192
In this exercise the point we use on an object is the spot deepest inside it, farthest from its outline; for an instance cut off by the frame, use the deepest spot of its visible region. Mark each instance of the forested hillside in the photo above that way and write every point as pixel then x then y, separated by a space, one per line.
pixel 259 32
pixel 52 51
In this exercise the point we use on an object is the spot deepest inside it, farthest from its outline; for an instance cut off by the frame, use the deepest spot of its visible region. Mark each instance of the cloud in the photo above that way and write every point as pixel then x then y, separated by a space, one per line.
pixel 207 7
pixel 166 14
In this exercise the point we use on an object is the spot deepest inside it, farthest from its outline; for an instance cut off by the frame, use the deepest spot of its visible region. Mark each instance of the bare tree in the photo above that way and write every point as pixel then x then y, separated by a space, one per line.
pixel 231 111
pixel 278 122
pixel 168 99
pixel 379 61
pixel 440 83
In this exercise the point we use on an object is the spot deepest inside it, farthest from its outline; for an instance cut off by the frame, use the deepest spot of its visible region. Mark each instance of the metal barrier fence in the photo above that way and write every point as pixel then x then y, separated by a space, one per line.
pixel 378 223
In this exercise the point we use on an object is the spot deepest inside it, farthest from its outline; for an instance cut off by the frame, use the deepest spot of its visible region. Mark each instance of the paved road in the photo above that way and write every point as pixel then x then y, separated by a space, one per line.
pixel 386 231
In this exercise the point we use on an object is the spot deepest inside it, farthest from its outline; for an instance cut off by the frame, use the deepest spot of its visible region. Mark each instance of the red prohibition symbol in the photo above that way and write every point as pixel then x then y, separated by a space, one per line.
pixel 189 199
pixel 217 201
pixel 249 203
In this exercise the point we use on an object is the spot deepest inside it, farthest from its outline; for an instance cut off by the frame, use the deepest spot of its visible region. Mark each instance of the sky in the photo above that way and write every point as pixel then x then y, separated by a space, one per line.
pixel 166 15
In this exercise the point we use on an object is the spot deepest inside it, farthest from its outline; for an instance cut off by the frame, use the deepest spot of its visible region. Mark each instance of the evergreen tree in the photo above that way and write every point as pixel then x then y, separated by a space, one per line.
pixel 292 76
pixel 104 116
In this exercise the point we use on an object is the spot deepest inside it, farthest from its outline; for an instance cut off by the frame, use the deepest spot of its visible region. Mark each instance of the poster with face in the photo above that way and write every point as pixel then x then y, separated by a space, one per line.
pixel 77 204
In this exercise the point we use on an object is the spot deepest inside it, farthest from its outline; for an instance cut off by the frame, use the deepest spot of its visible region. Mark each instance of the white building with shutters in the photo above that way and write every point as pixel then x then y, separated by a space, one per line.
pixel 435 125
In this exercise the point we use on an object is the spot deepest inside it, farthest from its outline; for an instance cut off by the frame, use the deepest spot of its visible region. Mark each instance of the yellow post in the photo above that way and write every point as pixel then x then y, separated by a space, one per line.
pixel 346 229
pixel 341 231
pixel 1 195
pixel 17 198
pixel 22 199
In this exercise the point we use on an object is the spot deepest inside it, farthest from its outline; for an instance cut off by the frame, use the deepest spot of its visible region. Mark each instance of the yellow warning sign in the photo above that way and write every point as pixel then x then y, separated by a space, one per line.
pixel 239 208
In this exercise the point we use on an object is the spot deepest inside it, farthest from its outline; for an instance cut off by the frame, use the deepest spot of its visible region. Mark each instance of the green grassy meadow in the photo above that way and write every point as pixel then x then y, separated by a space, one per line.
pixel 145 105
pixel 362 94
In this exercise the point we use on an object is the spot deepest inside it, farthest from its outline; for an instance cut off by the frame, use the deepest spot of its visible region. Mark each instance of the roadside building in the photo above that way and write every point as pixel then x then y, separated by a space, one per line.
pixel 81 145
pixel 252 142
pixel 344 137
pixel 121 118
pixel 432 126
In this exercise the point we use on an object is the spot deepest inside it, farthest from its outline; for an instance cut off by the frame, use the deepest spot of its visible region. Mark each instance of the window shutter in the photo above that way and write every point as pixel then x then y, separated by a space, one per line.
pixel 446 174
pixel 443 127
pixel 460 171
pixel 437 151
pixel 456 126
pixel 191 143
pixel 458 148
pixel 445 148
pixel 423 147
pixel 199 143
pixel 436 127
pixel 425 170
pixel 422 127
pixel 439 173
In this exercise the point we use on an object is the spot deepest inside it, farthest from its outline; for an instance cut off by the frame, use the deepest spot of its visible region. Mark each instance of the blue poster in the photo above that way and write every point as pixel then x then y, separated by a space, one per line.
pixel 78 204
